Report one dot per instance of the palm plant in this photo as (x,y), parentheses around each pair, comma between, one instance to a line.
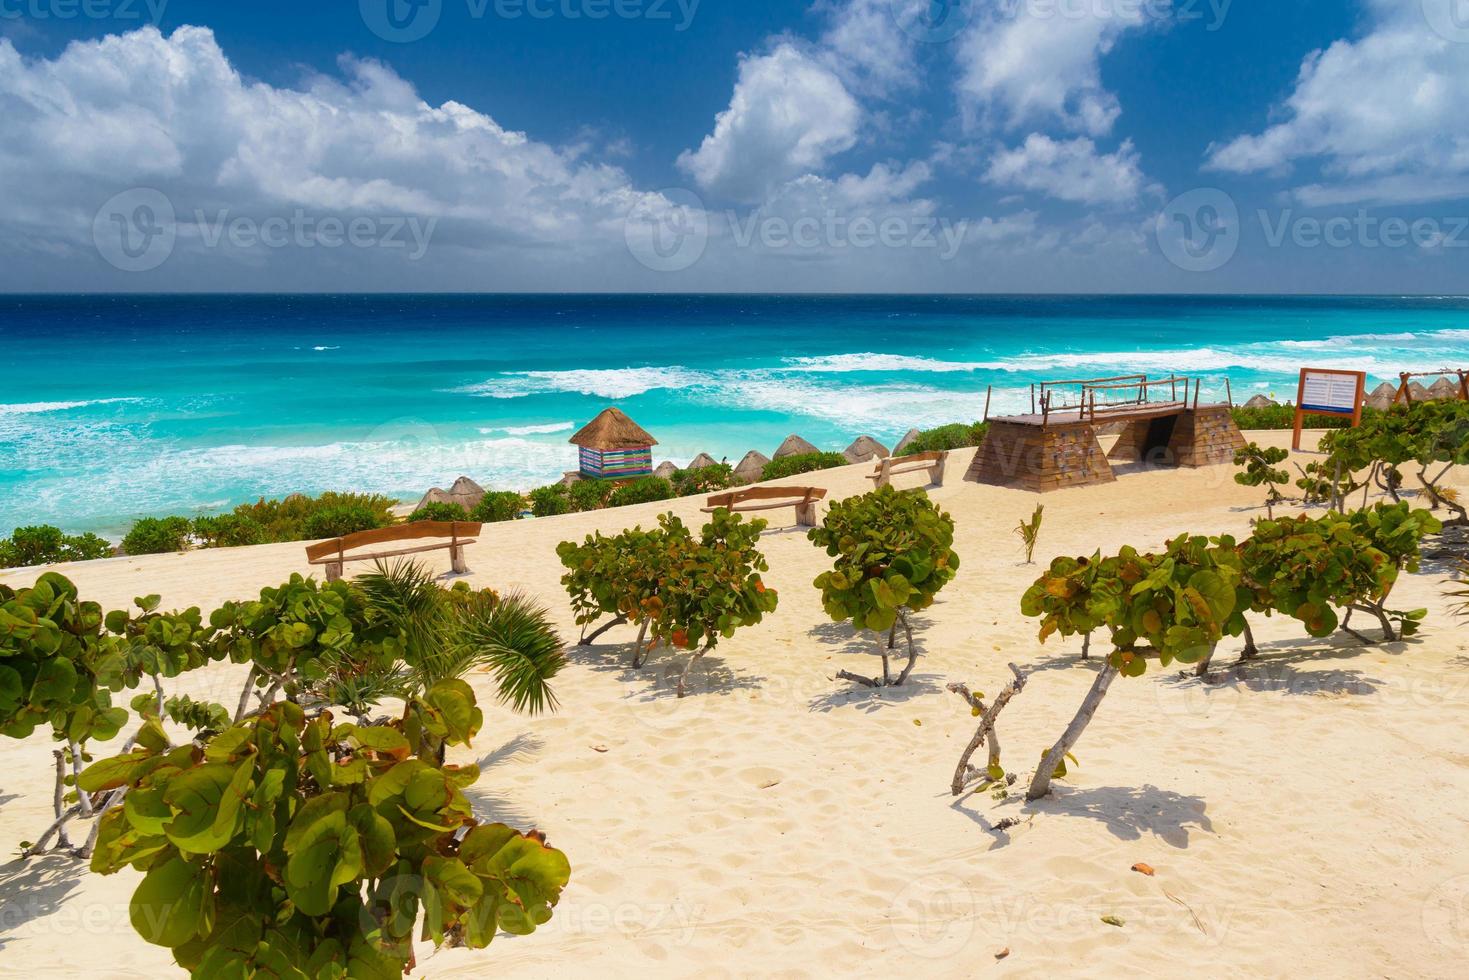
(1461,594)
(444,634)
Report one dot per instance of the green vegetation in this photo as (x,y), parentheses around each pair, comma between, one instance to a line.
(498,506)
(438,511)
(709,479)
(894,552)
(46,545)
(1426,435)
(947,437)
(681,591)
(157,536)
(1275,417)
(645,490)
(1029,532)
(286,520)
(804,463)
(550,501)
(1261,470)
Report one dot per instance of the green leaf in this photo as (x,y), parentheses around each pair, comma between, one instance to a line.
(172,903)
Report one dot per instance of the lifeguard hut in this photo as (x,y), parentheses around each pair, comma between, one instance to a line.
(614,447)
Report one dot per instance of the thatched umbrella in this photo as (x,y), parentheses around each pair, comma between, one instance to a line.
(1443,390)
(613,445)
(1382,397)
(865,450)
(1419,393)
(700,461)
(1260,401)
(906,441)
(751,468)
(665,470)
(795,446)
(466,493)
(438,495)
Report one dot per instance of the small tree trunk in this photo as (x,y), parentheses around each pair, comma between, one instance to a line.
(587,641)
(59,800)
(912,650)
(1251,651)
(84,801)
(684,677)
(986,730)
(1086,647)
(639,653)
(1041,784)
(245,694)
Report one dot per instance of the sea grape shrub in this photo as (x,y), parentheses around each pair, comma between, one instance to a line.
(438,511)
(946,438)
(712,586)
(550,501)
(228,531)
(496,507)
(589,495)
(285,520)
(157,536)
(1261,469)
(47,545)
(707,479)
(1397,532)
(1170,607)
(894,552)
(620,576)
(290,846)
(803,463)
(1428,434)
(646,490)
(1284,417)
(339,521)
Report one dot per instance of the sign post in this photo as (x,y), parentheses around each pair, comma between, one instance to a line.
(1327,392)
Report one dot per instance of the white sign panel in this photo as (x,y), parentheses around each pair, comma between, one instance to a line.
(1329,393)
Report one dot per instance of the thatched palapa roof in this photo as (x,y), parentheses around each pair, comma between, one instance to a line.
(1444,389)
(795,446)
(751,468)
(665,470)
(1259,401)
(906,441)
(612,430)
(865,449)
(465,492)
(700,461)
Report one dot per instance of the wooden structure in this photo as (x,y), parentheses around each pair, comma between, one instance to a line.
(614,447)
(803,499)
(1329,392)
(1055,446)
(1405,393)
(892,466)
(334,553)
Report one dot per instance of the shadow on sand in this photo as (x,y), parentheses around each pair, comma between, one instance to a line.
(35,889)
(850,643)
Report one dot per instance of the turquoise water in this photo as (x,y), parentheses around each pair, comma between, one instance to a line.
(117,407)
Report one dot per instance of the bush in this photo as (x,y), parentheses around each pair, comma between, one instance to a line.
(804,463)
(439,512)
(947,437)
(645,490)
(585,495)
(894,551)
(497,506)
(550,501)
(1261,470)
(157,536)
(709,479)
(340,520)
(1284,417)
(620,576)
(285,520)
(228,531)
(46,545)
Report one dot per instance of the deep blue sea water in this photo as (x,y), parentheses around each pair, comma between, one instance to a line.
(114,407)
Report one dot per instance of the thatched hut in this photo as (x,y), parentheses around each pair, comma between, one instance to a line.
(1419,393)
(751,468)
(865,449)
(613,446)
(1443,390)
(1382,397)
(906,441)
(1259,401)
(795,446)
(701,461)
(665,470)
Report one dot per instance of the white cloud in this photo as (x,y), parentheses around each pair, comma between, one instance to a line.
(172,113)
(1024,64)
(867,46)
(1070,170)
(788,116)
(1384,116)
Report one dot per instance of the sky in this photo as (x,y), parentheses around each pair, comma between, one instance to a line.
(1013,146)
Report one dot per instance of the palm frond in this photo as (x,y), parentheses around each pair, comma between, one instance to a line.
(1462,593)
(407,596)
(514,638)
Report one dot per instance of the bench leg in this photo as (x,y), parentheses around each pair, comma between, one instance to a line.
(457,562)
(806,514)
(333,571)
(938,472)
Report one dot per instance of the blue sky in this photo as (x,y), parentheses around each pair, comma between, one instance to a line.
(714,145)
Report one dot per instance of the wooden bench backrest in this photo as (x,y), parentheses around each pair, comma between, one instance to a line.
(896,461)
(797,495)
(398,532)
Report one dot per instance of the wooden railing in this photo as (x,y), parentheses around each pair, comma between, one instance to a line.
(1160,394)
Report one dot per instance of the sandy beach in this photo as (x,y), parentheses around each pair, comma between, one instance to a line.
(1303,815)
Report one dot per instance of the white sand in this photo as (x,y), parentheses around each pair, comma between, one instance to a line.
(1307,818)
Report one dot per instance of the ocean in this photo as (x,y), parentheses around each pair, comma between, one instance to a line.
(116,407)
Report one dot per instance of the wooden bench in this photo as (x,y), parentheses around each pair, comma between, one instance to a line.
(888,468)
(804,499)
(333,553)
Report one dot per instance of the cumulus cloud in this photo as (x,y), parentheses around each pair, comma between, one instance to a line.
(1070,170)
(1383,116)
(788,116)
(172,113)
(1040,64)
